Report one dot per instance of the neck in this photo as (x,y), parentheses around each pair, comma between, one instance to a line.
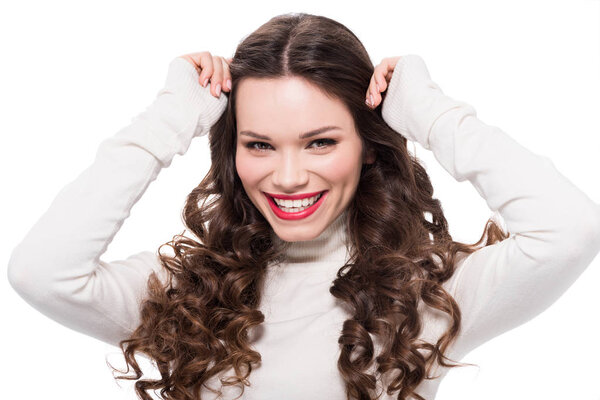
(329,246)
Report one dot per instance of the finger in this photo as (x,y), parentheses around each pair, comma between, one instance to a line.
(226,85)
(206,68)
(217,77)
(376,87)
(372,92)
(368,96)
(388,76)
(380,76)
(390,67)
(195,59)
(188,59)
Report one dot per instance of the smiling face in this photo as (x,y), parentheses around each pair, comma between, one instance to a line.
(275,156)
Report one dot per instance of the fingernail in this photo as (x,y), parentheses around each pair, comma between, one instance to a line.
(377,85)
(205,82)
(371,97)
(218,89)
(228,83)
(367,102)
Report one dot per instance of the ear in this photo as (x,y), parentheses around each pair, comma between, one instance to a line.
(370,157)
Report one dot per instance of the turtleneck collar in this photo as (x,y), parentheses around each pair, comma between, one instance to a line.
(329,246)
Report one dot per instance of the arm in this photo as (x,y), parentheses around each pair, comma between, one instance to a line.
(57,268)
(554,226)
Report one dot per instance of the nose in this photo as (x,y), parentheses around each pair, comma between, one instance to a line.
(290,174)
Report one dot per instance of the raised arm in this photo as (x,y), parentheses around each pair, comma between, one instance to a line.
(57,268)
(554,226)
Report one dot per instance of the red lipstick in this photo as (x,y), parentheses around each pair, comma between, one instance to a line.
(296,215)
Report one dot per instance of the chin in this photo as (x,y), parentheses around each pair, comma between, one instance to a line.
(287,236)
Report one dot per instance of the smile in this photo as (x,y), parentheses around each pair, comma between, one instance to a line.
(296,206)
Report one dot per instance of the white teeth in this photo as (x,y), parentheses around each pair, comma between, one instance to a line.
(296,205)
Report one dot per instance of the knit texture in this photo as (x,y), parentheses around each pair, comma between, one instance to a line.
(555,234)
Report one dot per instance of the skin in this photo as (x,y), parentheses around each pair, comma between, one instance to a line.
(215,69)
(285,164)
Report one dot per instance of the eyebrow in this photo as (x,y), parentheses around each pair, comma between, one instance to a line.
(304,135)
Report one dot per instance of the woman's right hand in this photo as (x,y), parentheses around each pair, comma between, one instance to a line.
(211,68)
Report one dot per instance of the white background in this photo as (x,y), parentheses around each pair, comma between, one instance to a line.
(74,73)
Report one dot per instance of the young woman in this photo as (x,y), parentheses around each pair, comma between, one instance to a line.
(320,264)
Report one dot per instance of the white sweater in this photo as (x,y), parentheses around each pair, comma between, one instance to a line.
(555,234)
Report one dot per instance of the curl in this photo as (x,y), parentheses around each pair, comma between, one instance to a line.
(196,324)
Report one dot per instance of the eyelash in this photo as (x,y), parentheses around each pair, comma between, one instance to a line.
(331,142)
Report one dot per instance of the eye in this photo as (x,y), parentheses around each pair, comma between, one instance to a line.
(329,142)
(258,145)
(251,145)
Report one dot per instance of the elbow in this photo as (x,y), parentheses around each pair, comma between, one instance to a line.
(21,277)
(16,275)
(589,224)
(573,240)
(13,271)
(582,241)
(595,226)
(12,276)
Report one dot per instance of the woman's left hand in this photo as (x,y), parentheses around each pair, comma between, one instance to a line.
(379,80)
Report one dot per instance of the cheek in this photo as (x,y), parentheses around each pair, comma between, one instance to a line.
(343,167)
(241,166)
(247,169)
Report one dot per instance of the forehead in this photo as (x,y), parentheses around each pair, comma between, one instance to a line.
(286,104)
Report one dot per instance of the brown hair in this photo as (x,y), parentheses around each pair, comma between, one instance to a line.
(198,326)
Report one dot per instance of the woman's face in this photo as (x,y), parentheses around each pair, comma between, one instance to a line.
(274,159)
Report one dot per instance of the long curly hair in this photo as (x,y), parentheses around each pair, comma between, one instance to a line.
(196,324)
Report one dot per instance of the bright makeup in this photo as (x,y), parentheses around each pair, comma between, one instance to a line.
(286,209)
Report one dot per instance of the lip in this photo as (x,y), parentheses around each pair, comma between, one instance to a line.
(294,196)
(297,215)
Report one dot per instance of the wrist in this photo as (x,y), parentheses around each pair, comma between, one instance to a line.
(183,89)
(414,102)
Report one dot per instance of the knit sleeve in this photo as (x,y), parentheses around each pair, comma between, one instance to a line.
(554,227)
(57,268)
